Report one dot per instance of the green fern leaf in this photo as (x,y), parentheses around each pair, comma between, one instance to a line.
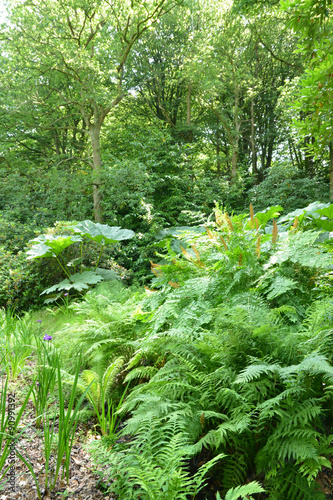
(244,492)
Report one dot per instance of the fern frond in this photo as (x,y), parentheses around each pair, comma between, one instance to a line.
(234,470)
(88,377)
(223,433)
(253,372)
(244,492)
(142,372)
(110,374)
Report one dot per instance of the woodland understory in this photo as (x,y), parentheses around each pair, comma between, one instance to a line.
(166,241)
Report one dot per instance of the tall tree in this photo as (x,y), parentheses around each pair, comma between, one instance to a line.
(312,21)
(85,44)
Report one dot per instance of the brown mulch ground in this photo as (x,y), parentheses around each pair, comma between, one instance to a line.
(82,481)
(82,484)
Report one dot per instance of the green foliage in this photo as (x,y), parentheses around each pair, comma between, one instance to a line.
(159,470)
(106,325)
(219,367)
(14,235)
(101,233)
(316,215)
(243,491)
(15,342)
(22,281)
(46,371)
(77,281)
(97,389)
(288,186)
(268,214)
(227,357)
(312,21)
(48,245)
(7,439)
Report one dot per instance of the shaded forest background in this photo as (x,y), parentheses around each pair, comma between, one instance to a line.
(148,115)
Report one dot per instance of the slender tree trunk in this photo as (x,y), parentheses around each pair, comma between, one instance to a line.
(331,171)
(188,106)
(235,140)
(56,142)
(309,161)
(188,113)
(234,161)
(291,152)
(269,154)
(297,156)
(253,137)
(253,146)
(94,130)
(218,149)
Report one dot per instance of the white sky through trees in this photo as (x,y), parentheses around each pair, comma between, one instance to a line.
(2,11)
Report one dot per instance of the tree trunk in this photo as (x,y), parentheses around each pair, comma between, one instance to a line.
(235,139)
(309,160)
(234,161)
(291,152)
(94,131)
(253,146)
(218,149)
(331,171)
(56,141)
(188,114)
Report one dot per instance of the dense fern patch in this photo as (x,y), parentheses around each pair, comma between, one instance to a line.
(216,381)
(233,363)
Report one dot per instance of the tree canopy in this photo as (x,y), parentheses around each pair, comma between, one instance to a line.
(194,101)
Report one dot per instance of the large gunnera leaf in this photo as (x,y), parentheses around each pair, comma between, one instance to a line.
(40,250)
(102,233)
(50,246)
(106,274)
(269,213)
(78,281)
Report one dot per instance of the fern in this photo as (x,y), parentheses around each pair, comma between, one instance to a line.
(243,492)
(234,470)
(287,483)
(279,286)
(217,364)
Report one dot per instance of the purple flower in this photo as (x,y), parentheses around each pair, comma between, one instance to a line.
(37,383)
(65,294)
(39,321)
(47,337)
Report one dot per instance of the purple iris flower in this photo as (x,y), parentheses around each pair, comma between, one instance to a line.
(39,321)
(47,337)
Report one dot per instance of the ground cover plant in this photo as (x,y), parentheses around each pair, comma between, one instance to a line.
(166,223)
(213,382)
(225,370)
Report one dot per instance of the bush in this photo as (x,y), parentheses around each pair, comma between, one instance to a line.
(285,186)
(22,281)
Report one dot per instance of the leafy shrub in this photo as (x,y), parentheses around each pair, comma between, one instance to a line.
(15,235)
(22,282)
(285,185)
